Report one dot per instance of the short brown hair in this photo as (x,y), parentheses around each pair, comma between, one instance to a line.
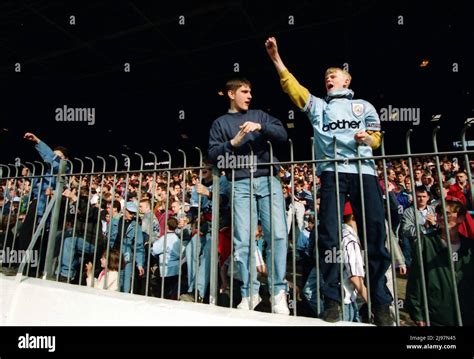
(172,223)
(146,200)
(235,83)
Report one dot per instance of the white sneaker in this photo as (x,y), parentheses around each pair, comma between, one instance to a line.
(245,303)
(280,305)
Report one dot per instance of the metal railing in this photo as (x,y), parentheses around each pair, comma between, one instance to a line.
(60,220)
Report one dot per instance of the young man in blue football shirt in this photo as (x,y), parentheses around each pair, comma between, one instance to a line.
(356,126)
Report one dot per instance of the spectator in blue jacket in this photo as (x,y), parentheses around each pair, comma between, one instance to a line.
(131,244)
(41,190)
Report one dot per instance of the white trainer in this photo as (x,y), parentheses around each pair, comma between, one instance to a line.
(280,305)
(245,303)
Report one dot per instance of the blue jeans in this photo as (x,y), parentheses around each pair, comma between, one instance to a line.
(199,247)
(72,251)
(244,235)
(379,258)
(351,313)
(310,291)
(126,278)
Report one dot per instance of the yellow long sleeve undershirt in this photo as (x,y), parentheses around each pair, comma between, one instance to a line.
(299,95)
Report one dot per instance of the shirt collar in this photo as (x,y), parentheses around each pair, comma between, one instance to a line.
(344,93)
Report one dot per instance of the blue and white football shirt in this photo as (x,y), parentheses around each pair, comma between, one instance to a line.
(341,117)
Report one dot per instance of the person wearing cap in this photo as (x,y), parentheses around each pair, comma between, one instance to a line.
(131,244)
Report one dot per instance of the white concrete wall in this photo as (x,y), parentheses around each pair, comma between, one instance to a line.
(36,302)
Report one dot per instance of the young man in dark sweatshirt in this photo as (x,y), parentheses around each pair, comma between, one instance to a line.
(232,139)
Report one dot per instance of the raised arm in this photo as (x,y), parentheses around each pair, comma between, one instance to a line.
(298,94)
(46,153)
(43,149)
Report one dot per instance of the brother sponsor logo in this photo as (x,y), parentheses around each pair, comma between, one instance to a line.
(341,125)
(28,341)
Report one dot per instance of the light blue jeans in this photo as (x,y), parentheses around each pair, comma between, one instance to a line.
(72,247)
(244,232)
(126,278)
(199,247)
(351,312)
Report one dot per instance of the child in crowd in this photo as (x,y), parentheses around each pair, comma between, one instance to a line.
(108,277)
(169,259)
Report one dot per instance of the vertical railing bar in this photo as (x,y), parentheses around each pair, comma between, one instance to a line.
(86,224)
(54,221)
(36,209)
(339,229)
(66,207)
(109,229)
(48,199)
(214,235)
(163,266)
(7,229)
(252,236)
(364,236)
(417,228)
(31,186)
(390,231)
(74,225)
(6,185)
(139,197)
(293,220)
(122,230)
(11,209)
(457,307)
(231,255)
(153,217)
(316,233)
(182,230)
(468,165)
(272,230)
(99,224)
(196,258)
(21,195)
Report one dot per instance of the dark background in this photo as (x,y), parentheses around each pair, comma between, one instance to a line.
(182,67)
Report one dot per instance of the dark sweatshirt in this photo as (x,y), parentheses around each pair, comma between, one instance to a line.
(226,127)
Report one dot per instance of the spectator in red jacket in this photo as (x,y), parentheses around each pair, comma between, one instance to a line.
(461,190)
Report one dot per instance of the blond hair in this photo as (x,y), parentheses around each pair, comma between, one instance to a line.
(336,69)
